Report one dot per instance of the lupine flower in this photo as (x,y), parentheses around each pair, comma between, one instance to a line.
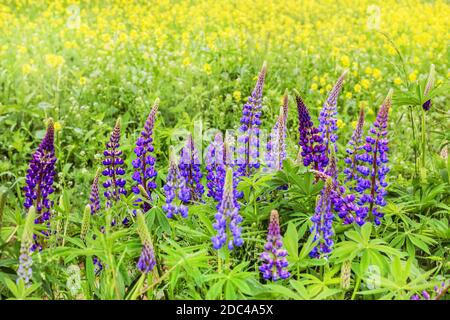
(176,191)
(216,167)
(248,140)
(190,170)
(147,260)
(346,273)
(429,85)
(344,202)
(439,291)
(98,265)
(276,146)
(94,199)
(228,218)
(113,162)
(355,146)
(371,182)
(311,143)
(25,270)
(327,117)
(144,163)
(322,223)
(274,256)
(39,180)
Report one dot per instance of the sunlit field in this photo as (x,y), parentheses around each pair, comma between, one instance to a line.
(224,150)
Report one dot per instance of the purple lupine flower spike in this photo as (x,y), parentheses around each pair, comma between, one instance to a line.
(327,117)
(228,217)
(439,292)
(276,146)
(371,182)
(429,85)
(216,167)
(114,185)
(176,191)
(94,199)
(144,163)
(274,256)
(190,169)
(146,261)
(354,148)
(248,140)
(322,223)
(311,143)
(39,181)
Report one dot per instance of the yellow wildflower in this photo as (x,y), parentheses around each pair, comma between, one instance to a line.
(398,81)
(340,124)
(207,68)
(314,86)
(357,88)
(323,81)
(345,61)
(412,76)
(365,83)
(368,70)
(237,96)
(57,126)
(186,61)
(376,73)
(348,95)
(82,81)
(53,60)
(27,69)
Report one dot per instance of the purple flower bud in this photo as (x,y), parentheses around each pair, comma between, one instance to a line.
(146,261)
(274,257)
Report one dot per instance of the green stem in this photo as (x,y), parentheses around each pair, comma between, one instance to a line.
(411,116)
(358,282)
(423,140)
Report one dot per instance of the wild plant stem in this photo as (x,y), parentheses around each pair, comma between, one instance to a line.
(358,282)
(423,140)
(411,116)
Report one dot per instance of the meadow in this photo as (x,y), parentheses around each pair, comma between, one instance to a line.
(224,150)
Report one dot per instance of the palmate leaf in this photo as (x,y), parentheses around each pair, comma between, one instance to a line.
(233,283)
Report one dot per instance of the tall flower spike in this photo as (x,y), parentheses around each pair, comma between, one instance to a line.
(371,182)
(274,256)
(355,146)
(248,140)
(144,162)
(228,218)
(39,181)
(94,199)
(429,85)
(176,191)
(216,168)
(190,170)
(276,146)
(147,260)
(322,223)
(327,117)
(113,162)
(311,143)
(25,271)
